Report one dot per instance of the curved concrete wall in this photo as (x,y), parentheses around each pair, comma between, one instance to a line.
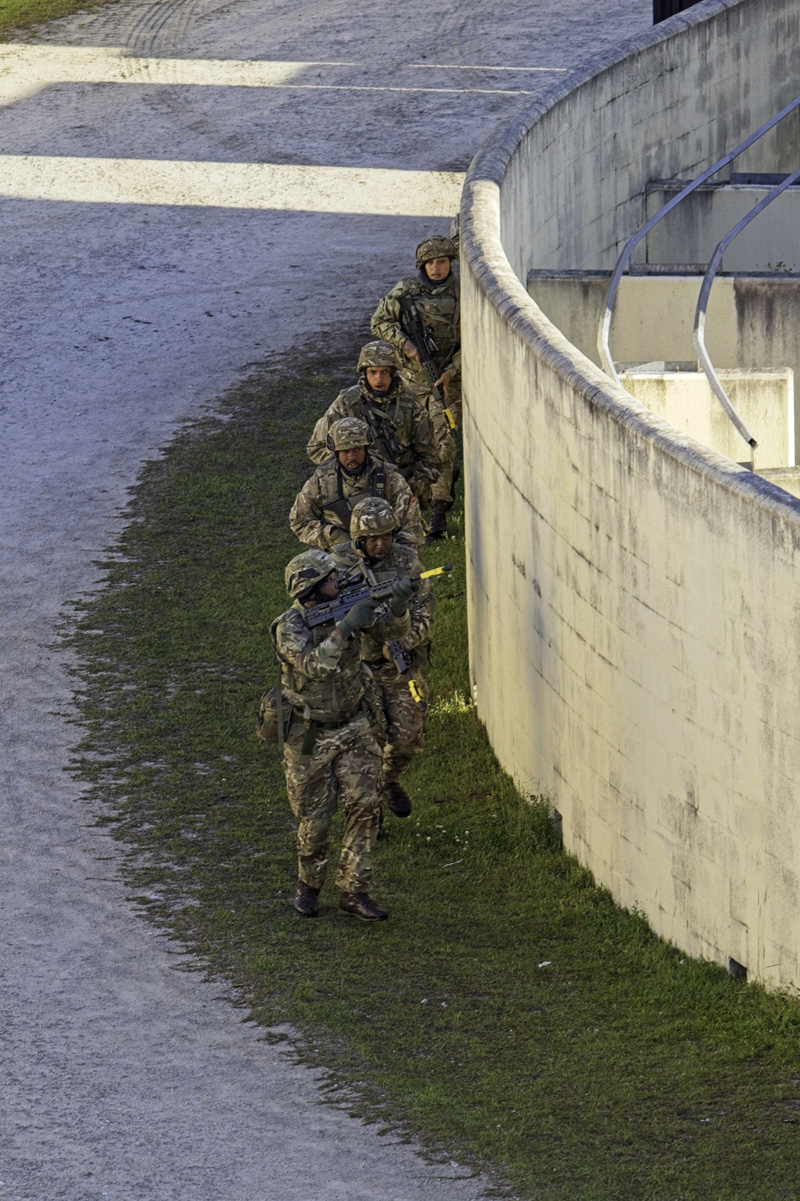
(634,601)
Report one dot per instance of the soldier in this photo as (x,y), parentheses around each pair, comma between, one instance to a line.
(321,512)
(374,556)
(402,432)
(329,751)
(434,294)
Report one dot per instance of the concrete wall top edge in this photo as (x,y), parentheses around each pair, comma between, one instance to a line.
(492,271)
(485,257)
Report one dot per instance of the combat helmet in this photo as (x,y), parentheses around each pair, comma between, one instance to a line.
(378,354)
(372,516)
(306,570)
(436,247)
(348,432)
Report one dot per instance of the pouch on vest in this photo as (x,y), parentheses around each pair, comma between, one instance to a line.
(274,716)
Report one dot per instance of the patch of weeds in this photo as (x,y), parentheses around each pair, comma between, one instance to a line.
(16,15)
(508,1011)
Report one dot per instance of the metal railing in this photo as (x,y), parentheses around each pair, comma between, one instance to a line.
(699,333)
(623,261)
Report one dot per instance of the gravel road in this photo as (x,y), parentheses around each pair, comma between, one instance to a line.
(189,188)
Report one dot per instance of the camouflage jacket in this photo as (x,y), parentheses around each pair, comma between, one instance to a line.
(440,310)
(414,628)
(321,512)
(401,429)
(320,668)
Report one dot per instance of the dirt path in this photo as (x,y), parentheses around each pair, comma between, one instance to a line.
(141,274)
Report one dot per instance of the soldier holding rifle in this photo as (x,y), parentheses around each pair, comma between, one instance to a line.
(321,512)
(421,318)
(329,750)
(402,432)
(395,649)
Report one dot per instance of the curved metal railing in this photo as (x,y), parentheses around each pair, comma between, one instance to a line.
(699,333)
(624,259)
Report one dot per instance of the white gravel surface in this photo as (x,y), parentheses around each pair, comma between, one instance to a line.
(187,189)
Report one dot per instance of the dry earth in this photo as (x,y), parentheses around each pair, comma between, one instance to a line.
(189,188)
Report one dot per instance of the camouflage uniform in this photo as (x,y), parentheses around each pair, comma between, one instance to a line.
(320,514)
(410,426)
(322,678)
(438,305)
(404,718)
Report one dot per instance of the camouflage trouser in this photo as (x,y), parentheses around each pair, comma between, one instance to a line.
(405,720)
(441,488)
(345,764)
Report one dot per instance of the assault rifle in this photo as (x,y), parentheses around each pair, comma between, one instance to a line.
(385,434)
(334,610)
(414,328)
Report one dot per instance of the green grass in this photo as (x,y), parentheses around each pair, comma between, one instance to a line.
(16,15)
(508,1014)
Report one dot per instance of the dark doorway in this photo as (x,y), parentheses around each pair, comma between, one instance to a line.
(667,8)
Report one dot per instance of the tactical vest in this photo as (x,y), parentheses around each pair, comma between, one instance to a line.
(392,434)
(331,699)
(440,312)
(339,511)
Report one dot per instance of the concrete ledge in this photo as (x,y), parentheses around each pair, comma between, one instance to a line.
(634,616)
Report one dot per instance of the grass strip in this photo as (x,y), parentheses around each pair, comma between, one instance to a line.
(508,1011)
(17,15)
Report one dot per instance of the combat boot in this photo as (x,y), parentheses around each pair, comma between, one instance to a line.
(306,900)
(437,526)
(397,799)
(360,904)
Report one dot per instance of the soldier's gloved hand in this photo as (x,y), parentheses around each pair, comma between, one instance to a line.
(361,615)
(402,592)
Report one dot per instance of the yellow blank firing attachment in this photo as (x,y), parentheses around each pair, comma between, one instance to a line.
(426,575)
(449,418)
(415,692)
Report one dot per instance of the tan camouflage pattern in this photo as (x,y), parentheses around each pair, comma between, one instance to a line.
(372,516)
(440,310)
(306,570)
(346,433)
(406,720)
(442,487)
(439,306)
(419,461)
(343,768)
(313,519)
(320,668)
(323,679)
(378,354)
(401,729)
(435,247)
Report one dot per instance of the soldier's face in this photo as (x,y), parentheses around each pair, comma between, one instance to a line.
(437,270)
(377,546)
(328,589)
(352,459)
(379,378)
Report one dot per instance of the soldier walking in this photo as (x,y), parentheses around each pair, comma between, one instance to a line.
(330,752)
(402,431)
(434,296)
(321,511)
(396,649)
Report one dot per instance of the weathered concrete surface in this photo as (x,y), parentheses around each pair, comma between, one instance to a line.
(634,614)
(123,1078)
